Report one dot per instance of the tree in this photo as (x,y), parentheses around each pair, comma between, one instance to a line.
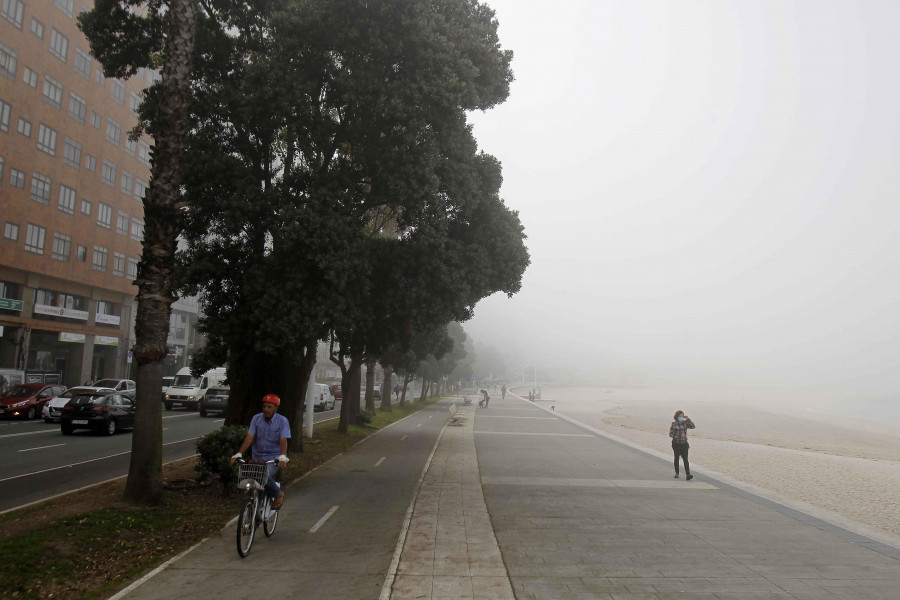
(124,40)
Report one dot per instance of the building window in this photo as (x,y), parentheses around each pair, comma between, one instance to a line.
(11,232)
(30,77)
(122,223)
(59,45)
(132,268)
(137,229)
(17,178)
(72,153)
(140,188)
(127,182)
(90,163)
(135,104)
(113,131)
(130,146)
(108,175)
(24,127)
(66,6)
(118,264)
(13,11)
(66,199)
(144,152)
(77,107)
(62,246)
(47,140)
(101,257)
(99,77)
(37,28)
(4,116)
(83,63)
(95,120)
(34,238)
(9,59)
(117,91)
(53,91)
(85,207)
(81,253)
(104,215)
(40,188)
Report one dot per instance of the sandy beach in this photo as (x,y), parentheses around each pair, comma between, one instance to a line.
(796,447)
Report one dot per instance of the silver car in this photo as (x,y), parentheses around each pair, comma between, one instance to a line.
(53,409)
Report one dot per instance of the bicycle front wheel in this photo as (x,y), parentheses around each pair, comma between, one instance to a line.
(269,521)
(246,528)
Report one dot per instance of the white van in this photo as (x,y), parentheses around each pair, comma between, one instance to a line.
(187,391)
(321,397)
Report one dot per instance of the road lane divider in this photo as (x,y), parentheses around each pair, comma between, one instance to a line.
(324,518)
(40,448)
(380,460)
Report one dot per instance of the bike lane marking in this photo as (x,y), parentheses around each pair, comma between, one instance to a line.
(324,518)
(380,460)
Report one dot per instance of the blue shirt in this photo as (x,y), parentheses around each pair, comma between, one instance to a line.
(267,435)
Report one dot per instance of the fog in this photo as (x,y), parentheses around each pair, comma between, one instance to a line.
(709,189)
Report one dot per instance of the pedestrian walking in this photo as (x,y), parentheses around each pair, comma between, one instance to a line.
(484,399)
(678,433)
(503,391)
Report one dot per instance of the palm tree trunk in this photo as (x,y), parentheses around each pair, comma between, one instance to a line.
(155,278)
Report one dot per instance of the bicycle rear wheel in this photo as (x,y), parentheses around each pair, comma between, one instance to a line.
(246,528)
(269,521)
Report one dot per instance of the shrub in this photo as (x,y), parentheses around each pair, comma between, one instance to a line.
(216,449)
(364,417)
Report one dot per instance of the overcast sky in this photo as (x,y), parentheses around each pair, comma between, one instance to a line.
(709,189)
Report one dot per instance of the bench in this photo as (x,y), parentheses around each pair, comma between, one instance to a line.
(456,415)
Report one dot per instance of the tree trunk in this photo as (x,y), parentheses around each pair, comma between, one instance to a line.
(355,388)
(370,387)
(425,385)
(406,380)
(349,376)
(387,391)
(297,379)
(155,279)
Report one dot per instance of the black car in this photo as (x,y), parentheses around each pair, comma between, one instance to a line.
(104,411)
(215,400)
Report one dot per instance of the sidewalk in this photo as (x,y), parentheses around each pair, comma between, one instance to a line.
(580,516)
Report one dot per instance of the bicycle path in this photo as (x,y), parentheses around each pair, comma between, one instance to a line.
(336,534)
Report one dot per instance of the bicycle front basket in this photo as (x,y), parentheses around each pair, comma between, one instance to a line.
(255,471)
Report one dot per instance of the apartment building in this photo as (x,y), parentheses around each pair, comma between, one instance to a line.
(71,184)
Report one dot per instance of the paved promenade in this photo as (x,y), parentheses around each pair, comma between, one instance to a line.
(514,501)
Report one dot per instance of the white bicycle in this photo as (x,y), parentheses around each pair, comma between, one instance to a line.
(252,478)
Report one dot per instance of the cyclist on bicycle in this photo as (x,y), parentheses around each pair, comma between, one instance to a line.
(269,433)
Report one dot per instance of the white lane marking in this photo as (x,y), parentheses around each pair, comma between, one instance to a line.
(9,435)
(380,460)
(40,448)
(403,438)
(619,483)
(431,416)
(419,425)
(180,416)
(84,462)
(321,521)
(523,433)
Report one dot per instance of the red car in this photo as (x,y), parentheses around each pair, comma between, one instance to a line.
(27,399)
(336,391)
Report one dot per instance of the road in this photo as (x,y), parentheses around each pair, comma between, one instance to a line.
(39,462)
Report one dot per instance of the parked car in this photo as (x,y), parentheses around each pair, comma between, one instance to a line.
(27,399)
(322,398)
(52,411)
(215,400)
(104,411)
(167,380)
(336,391)
(125,387)
(376,391)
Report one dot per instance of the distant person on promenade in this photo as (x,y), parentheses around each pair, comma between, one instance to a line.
(503,391)
(678,433)
(397,390)
(485,398)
